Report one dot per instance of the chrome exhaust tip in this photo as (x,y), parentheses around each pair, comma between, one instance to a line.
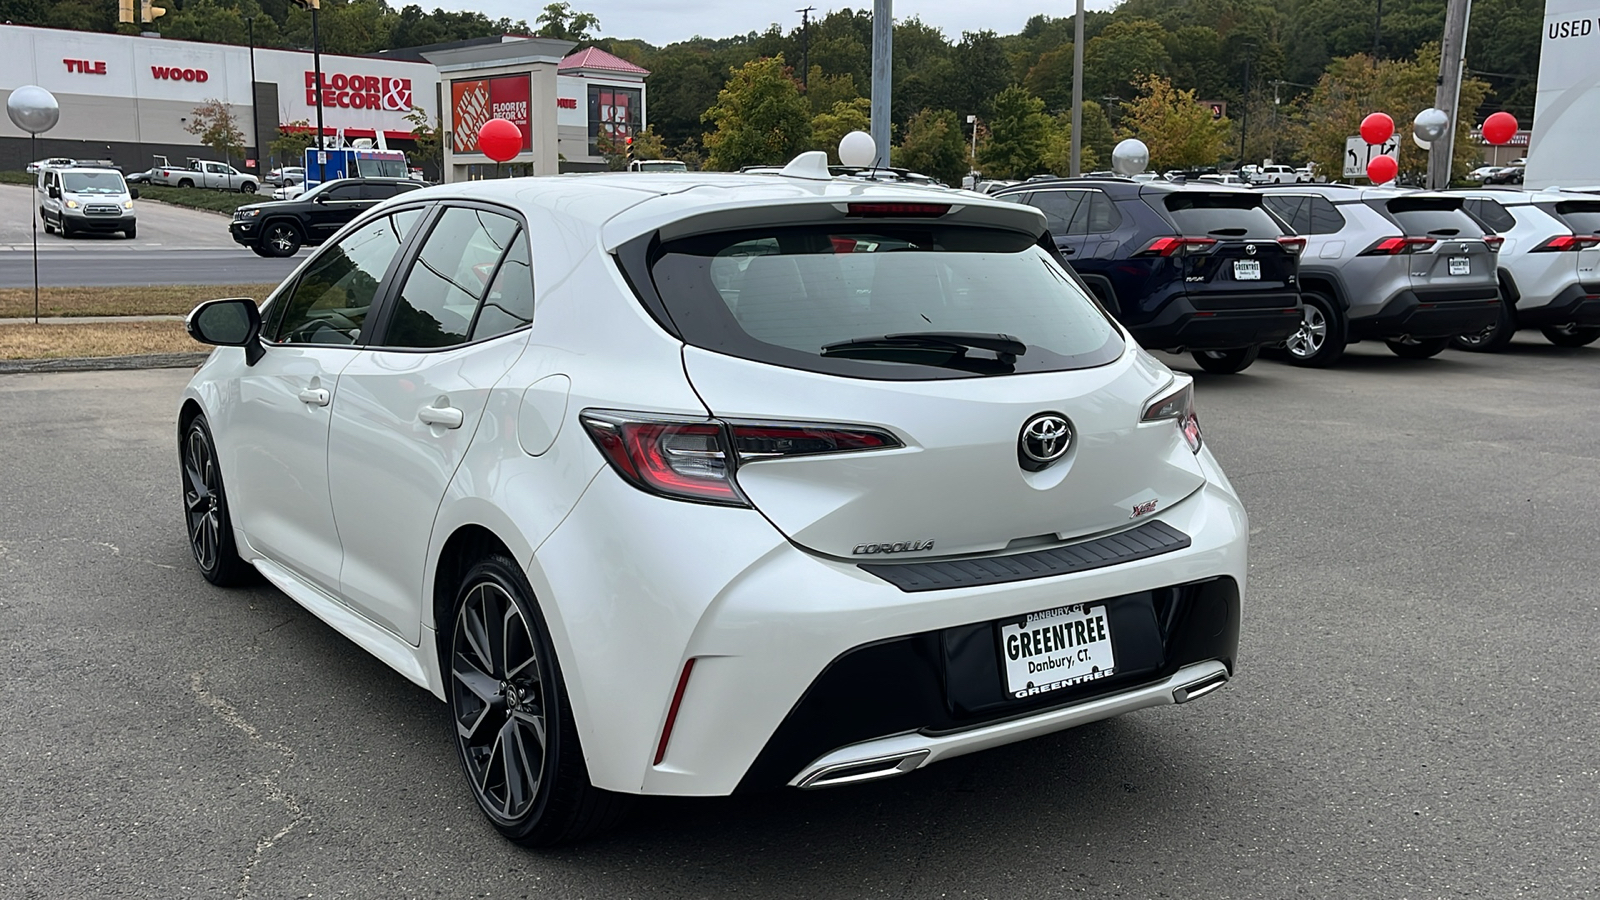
(858,771)
(1199,688)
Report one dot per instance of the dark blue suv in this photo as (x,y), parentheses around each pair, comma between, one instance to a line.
(1198,268)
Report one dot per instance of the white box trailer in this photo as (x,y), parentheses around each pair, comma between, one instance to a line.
(1566,116)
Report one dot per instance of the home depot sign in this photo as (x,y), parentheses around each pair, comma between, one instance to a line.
(475,102)
(343,91)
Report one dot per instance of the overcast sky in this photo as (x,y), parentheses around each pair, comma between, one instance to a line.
(665,21)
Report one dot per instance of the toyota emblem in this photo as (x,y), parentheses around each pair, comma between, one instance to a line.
(1044,440)
(1250,249)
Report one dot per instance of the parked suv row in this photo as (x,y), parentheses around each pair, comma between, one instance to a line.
(1409,268)
(1197,268)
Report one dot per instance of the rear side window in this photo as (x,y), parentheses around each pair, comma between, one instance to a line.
(1435,216)
(1582,216)
(1097,214)
(817,297)
(1490,213)
(1231,214)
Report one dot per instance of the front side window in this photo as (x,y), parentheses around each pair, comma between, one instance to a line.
(329,304)
(1057,206)
(889,301)
(439,298)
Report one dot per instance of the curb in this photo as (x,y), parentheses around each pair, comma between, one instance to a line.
(102,363)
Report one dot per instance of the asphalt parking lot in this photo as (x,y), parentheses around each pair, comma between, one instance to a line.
(1413,717)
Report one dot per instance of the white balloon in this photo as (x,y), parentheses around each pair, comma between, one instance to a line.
(33,109)
(1429,125)
(1422,144)
(1130,157)
(857,149)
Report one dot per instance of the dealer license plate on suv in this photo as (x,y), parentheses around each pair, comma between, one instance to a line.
(1460,265)
(1247,270)
(1056,648)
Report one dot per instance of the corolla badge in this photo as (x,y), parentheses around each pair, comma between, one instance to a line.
(1044,440)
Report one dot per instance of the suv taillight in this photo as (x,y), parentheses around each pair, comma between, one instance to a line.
(1176,246)
(1494,241)
(1395,246)
(1563,242)
(695,459)
(1178,406)
(1293,244)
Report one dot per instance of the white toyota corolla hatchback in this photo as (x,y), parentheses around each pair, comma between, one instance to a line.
(691,484)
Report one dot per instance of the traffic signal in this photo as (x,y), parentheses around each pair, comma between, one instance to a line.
(125,11)
(630,148)
(149,12)
(1216,111)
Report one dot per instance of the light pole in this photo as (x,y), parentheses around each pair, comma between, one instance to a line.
(34,109)
(1075,162)
(1244,119)
(316,61)
(882,56)
(805,46)
(255,105)
(972,120)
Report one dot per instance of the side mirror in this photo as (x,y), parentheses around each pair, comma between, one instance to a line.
(53,191)
(133,193)
(234,322)
(320,198)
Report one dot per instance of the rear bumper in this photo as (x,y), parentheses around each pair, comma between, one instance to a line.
(1432,313)
(1181,326)
(1578,304)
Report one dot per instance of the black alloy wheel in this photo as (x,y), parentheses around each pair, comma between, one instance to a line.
(1572,335)
(1492,339)
(510,717)
(1227,362)
(1412,348)
(206,510)
(281,239)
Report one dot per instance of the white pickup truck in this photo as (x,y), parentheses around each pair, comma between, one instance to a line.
(202,173)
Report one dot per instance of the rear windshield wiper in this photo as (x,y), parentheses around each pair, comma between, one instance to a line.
(947,349)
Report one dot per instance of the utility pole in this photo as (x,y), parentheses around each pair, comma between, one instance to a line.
(1377,33)
(255,104)
(1452,59)
(1075,165)
(1244,117)
(805,46)
(882,50)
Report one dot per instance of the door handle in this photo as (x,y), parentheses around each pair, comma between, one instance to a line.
(315,396)
(442,416)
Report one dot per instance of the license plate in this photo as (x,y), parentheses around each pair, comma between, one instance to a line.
(1247,270)
(1460,265)
(1055,649)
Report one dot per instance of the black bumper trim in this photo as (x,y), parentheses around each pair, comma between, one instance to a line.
(1432,313)
(1150,539)
(1579,304)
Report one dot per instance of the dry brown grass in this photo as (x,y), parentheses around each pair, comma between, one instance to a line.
(143,300)
(94,339)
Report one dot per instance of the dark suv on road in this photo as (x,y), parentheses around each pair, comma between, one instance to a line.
(1200,268)
(282,227)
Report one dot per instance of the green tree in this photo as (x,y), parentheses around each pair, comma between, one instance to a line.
(1121,59)
(828,128)
(428,133)
(760,118)
(979,74)
(1019,136)
(1050,78)
(1058,148)
(560,21)
(826,90)
(218,128)
(935,144)
(289,147)
(1179,131)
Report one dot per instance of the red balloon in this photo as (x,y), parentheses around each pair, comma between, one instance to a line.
(499,139)
(1499,128)
(1377,128)
(1382,169)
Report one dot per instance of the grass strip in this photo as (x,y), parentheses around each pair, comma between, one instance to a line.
(94,339)
(140,300)
(191,198)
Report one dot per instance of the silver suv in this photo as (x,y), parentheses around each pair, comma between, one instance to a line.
(1549,265)
(1409,268)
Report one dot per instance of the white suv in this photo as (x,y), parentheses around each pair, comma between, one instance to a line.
(686,484)
(1549,265)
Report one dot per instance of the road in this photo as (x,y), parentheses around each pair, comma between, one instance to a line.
(1413,717)
(174,246)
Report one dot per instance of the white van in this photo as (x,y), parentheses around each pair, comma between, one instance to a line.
(74,199)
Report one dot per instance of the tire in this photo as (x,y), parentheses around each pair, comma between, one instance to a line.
(258,250)
(249,187)
(48,228)
(281,239)
(494,705)
(1321,339)
(1227,362)
(205,510)
(1418,349)
(186,183)
(131,232)
(1492,339)
(1572,335)
(64,228)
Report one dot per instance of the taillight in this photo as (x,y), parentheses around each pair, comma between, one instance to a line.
(1563,242)
(897,210)
(1395,246)
(1292,244)
(1494,241)
(1178,406)
(1174,246)
(695,459)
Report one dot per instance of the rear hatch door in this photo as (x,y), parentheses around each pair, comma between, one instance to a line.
(792,325)
(1583,217)
(1232,258)
(1457,256)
